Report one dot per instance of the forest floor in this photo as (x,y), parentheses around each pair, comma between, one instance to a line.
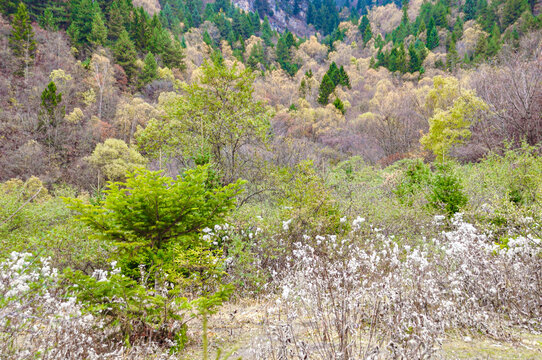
(239,326)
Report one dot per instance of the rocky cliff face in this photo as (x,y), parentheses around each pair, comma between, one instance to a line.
(281,19)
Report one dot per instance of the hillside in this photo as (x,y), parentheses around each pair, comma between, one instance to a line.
(270,179)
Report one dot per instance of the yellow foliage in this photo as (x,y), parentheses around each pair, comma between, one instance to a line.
(75,117)
(114,158)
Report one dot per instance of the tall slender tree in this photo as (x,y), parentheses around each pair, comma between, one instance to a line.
(21,40)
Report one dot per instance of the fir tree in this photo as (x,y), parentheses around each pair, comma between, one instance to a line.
(173,56)
(116,22)
(21,39)
(51,112)
(149,71)
(334,74)
(125,54)
(415,61)
(339,105)
(494,41)
(326,88)
(344,80)
(98,34)
(267,33)
(368,34)
(470,9)
(82,16)
(432,35)
(48,20)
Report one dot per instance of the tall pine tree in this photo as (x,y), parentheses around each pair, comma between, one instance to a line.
(21,40)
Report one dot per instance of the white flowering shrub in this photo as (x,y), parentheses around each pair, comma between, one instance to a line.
(38,320)
(377,297)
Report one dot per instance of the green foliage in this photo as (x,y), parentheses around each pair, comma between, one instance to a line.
(450,122)
(447,191)
(215,115)
(21,39)
(326,88)
(51,111)
(339,105)
(432,36)
(125,54)
(150,211)
(98,33)
(149,72)
(415,181)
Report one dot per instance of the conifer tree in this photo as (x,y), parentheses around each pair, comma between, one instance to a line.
(432,35)
(173,56)
(21,40)
(344,80)
(82,16)
(494,41)
(368,34)
(334,74)
(415,61)
(51,112)
(326,88)
(48,20)
(98,34)
(116,21)
(149,71)
(470,9)
(267,33)
(125,54)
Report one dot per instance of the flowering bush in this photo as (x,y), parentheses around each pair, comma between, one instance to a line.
(364,297)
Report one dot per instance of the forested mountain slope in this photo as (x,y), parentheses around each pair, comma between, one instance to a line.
(362,179)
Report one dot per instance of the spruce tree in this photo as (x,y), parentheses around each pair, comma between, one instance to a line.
(48,20)
(98,34)
(173,56)
(334,74)
(21,40)
(494,41)
(125,54)
(116,22)
(51,112)
(415,61)
(470,9)
(432,35)
(326,88)
(267,33)
(344,80)
(149,72)
(368,34)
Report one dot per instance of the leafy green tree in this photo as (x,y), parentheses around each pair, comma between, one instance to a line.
(415,62)
(367,34)
(21,40)
(98,34)
(216,116)
(453,114)
(326,88)
(149,211)
(149,72)
(334,73)
(50,106)
(267,33)
(125,54)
